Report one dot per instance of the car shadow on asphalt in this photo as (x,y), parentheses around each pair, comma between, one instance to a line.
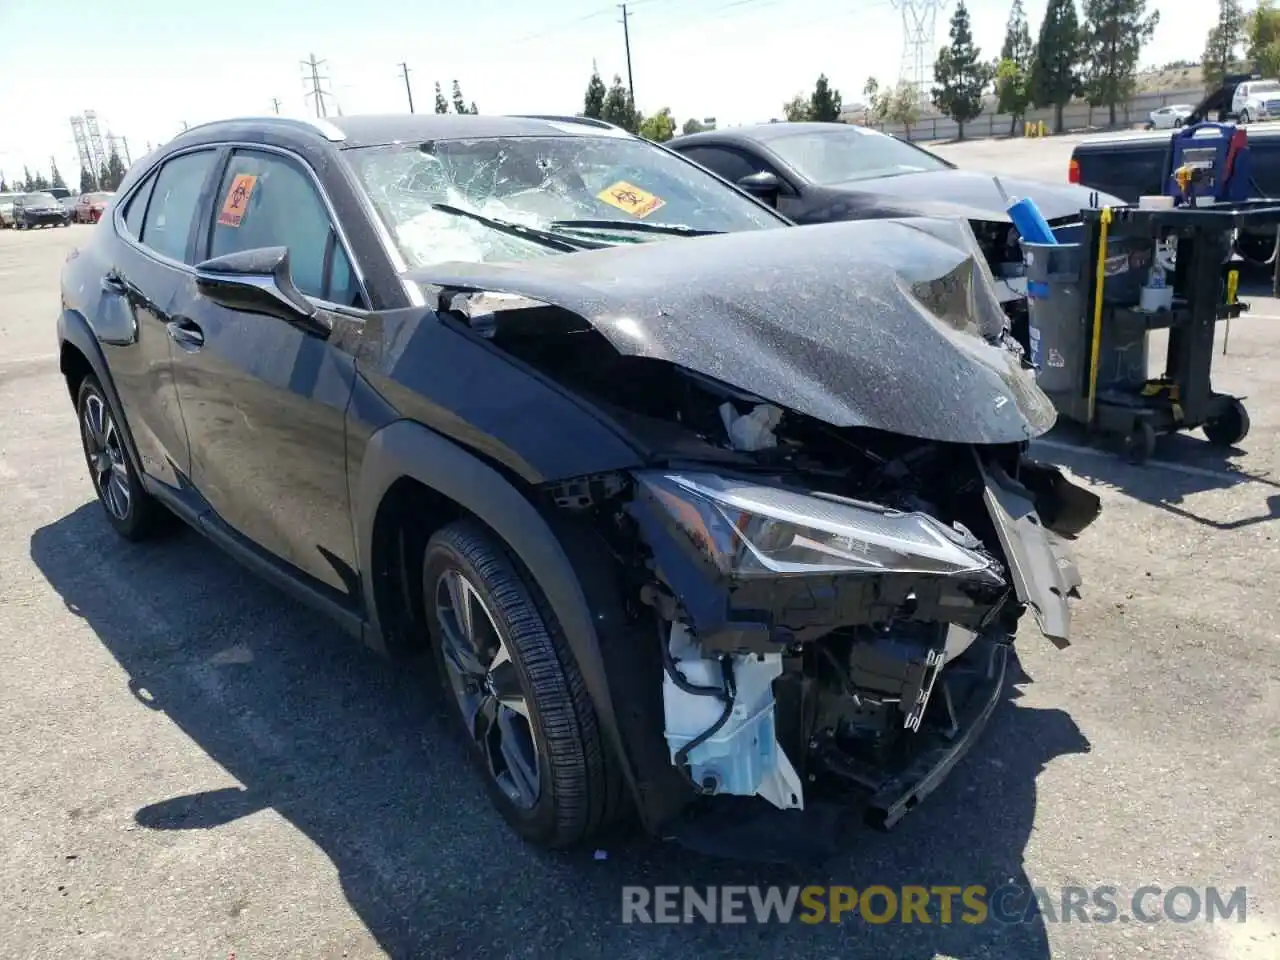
(360,757)
(1183,465)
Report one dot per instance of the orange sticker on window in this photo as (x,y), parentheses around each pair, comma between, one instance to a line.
(237,202)
(629,198)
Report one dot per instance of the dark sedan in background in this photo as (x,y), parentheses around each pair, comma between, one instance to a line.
(39,210)
(819,172)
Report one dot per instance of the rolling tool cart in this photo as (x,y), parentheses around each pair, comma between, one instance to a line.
(1137,269)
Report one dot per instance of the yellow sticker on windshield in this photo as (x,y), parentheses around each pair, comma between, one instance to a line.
(629,198)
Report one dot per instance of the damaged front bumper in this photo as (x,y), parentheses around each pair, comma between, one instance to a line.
(839,651)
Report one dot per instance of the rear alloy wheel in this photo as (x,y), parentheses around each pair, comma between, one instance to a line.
(129,508)
(504,661)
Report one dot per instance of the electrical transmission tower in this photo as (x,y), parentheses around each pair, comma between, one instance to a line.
(95,140)
(919,47)
(312,78)
(82,148)
(120,146)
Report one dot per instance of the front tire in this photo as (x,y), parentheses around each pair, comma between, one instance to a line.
(516,689)
(1245,118)
(132,511)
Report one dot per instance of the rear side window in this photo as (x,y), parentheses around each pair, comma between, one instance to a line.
(174,201)
(137,208)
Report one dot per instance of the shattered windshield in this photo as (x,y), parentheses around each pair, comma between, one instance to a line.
(619,190)
(831,155)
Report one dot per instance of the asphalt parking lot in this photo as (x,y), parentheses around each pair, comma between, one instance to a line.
(195,767)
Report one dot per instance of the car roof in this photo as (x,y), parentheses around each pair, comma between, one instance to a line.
(759,132)
(379,129)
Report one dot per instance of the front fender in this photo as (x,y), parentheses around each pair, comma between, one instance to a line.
(409,449)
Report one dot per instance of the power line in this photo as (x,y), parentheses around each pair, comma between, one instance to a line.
(404,68)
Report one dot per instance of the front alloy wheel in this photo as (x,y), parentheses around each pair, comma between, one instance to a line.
(487,688)
(515,685)
(130,509)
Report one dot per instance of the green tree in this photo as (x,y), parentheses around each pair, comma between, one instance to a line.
(27,182)
(4,186)
(1263,30)
(796,109)
(87,183)
(593,102)
(878,101)
(660,127)
(104,178)
(1013,70)
(692,125)
(1055,70)
(618,108)
(902,106)
(1115,31)
(960,74)
(115,170)
(825,104)
(459,104)
(40,183)
(1221,44)
(55,175)
(442,105)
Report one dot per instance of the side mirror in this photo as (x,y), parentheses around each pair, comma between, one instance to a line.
(260,281)
(763,185)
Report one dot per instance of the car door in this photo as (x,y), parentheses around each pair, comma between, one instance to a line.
(148,260)
(264,400)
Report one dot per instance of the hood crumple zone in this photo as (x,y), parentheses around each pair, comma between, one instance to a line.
(872,324)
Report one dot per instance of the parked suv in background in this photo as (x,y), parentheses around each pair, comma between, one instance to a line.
(39,210)
(6,209)
(90,206)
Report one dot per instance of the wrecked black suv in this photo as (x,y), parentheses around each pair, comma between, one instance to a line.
(695,510)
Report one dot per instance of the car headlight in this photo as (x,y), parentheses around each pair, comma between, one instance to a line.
(747,529)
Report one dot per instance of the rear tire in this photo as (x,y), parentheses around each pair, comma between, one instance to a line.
(133,512)
(517,691)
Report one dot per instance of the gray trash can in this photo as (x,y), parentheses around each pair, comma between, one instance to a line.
(1061,323)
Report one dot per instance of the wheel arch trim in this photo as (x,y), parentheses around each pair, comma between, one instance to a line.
(406,448)
(74,331)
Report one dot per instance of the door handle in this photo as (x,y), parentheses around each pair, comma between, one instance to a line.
(185,333)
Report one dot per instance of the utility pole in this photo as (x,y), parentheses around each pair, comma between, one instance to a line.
(626,39)
(317,92)
(275,104)
(404,69)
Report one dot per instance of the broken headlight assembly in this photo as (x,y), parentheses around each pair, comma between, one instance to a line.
(746,529)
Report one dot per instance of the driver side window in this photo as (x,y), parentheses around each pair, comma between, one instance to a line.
(268,200)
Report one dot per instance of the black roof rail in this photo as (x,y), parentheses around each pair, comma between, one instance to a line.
(317,125)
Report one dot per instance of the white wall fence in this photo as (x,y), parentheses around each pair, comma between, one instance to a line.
(1076,116)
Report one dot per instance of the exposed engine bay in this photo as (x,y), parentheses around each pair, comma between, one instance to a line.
(832,605)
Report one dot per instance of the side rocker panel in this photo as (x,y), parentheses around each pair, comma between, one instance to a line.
(408,449)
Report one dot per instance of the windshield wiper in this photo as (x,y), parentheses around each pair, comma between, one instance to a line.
(634,226)
(556,241)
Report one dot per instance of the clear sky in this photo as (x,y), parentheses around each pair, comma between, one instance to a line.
(146,66)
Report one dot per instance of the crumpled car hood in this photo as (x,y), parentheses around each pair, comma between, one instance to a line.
(889,324)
